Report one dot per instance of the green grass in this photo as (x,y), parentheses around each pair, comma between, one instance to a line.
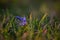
(34,30)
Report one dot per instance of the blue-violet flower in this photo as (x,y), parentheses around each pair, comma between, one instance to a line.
(22,19)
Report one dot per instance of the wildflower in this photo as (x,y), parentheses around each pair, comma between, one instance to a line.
(18,17)
(22,19)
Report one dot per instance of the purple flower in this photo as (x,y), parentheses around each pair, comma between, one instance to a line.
(18,17)
(22,19)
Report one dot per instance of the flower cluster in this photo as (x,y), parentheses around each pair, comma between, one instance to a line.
(22,19)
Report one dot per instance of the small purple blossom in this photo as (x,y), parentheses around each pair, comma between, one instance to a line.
(22,19)
(18,17)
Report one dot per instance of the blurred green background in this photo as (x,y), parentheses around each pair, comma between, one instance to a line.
(42,16)
(25,7)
